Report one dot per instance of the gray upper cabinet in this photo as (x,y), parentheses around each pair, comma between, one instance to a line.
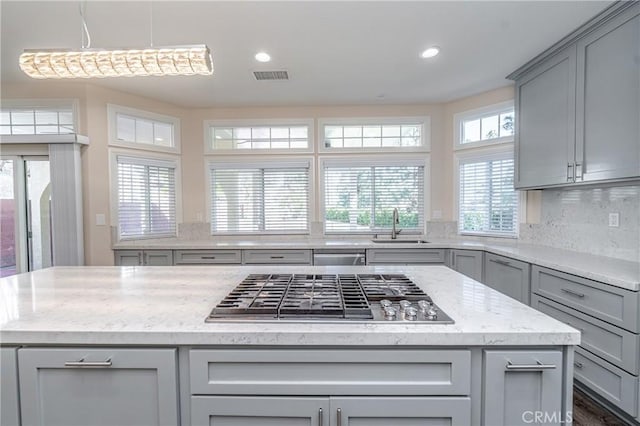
(508,276)
(10,411)
(467,262)
(102,387)
(608,101)
(577,105)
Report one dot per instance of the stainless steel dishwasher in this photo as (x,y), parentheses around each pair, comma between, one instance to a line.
(339,257)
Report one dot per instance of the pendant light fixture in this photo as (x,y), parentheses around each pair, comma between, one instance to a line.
(99,63)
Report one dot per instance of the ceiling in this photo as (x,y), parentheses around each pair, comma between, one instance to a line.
(335,52)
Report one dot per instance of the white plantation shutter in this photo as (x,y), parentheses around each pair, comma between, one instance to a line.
(260,198)
(146,198)
(488,203)
(361,198)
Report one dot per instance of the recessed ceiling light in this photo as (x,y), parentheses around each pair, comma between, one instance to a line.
(430,52)
(262,57)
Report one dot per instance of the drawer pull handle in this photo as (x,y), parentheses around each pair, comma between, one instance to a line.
(502,262)
(573,293)
(578,365)
(570,173)
(88,364)
(529,367)
(208,257)
(339,416)
(277,257)
(320,421)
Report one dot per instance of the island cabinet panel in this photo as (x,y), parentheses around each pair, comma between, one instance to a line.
(143,257)
(205,257)
(281,257)
(9,408)
(612,304)
(98,387)
(612,343)
(402,256)
(467,262)
(611,383)
(508,276)
(330,372)
(517,384)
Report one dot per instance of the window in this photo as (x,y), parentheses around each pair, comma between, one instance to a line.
(493,124)
(488,204)
(146,197)
(359,197)
(250,198)
(143,130)
(54,120)
(374,134)
(260,135)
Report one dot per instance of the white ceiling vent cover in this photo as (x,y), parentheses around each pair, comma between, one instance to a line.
(271,75)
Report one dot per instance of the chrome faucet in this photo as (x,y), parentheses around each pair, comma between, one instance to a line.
(395,221)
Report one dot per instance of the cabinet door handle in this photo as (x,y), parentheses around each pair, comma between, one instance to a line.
(339,416)
(146,258)
(453,259)
(320,421)
(578,364)
(573,293)
(578,169)
(277,257)
(140,261)
(529,367)
(88,364)
(208,257)
(502,262)
(570,173)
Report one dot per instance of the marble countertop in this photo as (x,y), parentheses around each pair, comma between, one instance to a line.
(617,272)
(167,306)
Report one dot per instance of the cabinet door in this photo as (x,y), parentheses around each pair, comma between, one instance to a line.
(508,276)
(128,257)
(158,257)
(9,413)
(608,101)
(98,387)
(405,411)
(259,411)
(520,383)
(467,262)
(545,122)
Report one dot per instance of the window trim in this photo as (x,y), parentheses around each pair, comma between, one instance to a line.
(371,160)
(257,161)
(424,121)
(28,103)
(114,221)
(485,111)
(496,152)
(112,129)
(266,122)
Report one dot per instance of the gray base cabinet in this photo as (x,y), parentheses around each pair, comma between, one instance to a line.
(467,262)
(144,257)
(98,387)
(520,383)
(508,276)
(9,408)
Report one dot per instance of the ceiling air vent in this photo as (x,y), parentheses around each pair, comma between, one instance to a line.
(271,75)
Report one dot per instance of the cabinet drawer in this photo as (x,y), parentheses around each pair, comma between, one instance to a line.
(617,386)
(404,256)
(326,372)
(203,257)
(614,344)
(608,303)
(276,256)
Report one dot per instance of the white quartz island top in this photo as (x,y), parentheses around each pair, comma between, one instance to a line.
(168,306)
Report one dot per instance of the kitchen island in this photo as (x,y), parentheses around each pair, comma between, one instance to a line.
(129,345)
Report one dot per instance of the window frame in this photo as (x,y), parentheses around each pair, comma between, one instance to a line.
(114,192)
(208,126)
(372,161)
(52,103)
(255,162)
(499,152)
(424,121)
(479,113)
(112,118)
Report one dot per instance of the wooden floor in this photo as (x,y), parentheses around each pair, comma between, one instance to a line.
(587,412)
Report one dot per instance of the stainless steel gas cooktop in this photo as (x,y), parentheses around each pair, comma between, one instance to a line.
(328,298)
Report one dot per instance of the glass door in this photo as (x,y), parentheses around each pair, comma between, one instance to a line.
(9,244)
(38,203)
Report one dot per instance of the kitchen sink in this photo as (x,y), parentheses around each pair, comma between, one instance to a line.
(400,241)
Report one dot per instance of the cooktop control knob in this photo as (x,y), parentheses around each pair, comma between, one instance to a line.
(431,314)
(411,314)
(424,305)
(390,314)
(404,304)
(385,303)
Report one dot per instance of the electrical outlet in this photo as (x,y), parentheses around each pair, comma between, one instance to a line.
(614,220)
(436,214)
(101,220)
